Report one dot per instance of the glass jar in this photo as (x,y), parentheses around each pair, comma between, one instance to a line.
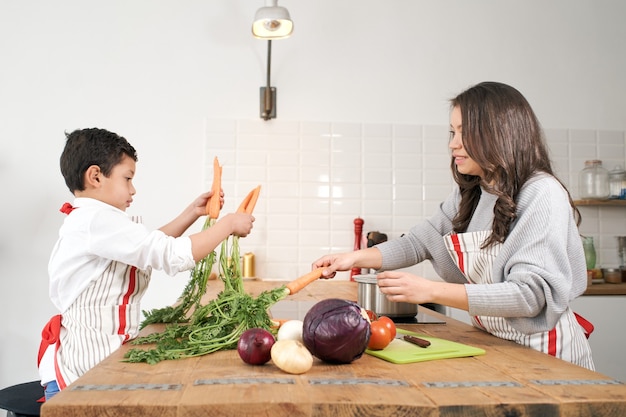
(593,181)
(617,183)
(590,252)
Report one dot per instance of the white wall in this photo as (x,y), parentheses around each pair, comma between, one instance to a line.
(156,71)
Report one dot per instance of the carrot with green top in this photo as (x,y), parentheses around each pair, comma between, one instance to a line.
(213,206)
(218,324)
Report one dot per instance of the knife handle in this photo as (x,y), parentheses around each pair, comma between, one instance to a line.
(417,341)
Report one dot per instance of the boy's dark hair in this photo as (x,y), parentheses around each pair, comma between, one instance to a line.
(87,147)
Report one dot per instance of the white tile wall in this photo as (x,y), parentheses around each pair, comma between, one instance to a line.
(317,177)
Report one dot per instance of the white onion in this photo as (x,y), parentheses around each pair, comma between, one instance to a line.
(290,330)
(291,356)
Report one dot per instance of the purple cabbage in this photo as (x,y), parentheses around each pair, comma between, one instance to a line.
(335,331)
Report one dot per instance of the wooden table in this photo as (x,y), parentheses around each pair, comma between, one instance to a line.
(509,380)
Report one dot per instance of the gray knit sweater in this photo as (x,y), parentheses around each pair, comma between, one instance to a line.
(539,270)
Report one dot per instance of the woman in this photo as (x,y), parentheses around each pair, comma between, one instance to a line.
(505,241)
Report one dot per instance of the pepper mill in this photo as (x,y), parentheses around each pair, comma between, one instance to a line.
(358,231)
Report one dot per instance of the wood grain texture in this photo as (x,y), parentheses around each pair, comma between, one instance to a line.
(509,380)
(606,289)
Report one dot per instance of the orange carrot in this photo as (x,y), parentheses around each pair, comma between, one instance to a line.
(253,199)
(213,206)
(248,203)
(276,323)
(299,283)
(244,203)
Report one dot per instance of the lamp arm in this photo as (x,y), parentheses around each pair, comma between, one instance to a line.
(269,61)
(268,93)
(268,90)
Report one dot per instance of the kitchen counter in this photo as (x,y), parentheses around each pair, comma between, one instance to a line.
(606,289)
(508,380)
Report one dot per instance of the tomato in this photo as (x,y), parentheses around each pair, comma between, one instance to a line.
(383,331)
(380,336)
(372,316)
(389,324)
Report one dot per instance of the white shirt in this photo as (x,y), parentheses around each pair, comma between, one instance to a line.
(93,236)
(96,234)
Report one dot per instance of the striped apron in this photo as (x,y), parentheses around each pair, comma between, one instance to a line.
(103,317)
(567,340)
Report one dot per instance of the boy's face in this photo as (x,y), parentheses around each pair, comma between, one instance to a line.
(117,189)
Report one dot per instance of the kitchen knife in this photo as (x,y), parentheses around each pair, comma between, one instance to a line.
(423,343)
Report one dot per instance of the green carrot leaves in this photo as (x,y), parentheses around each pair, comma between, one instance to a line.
(214,326)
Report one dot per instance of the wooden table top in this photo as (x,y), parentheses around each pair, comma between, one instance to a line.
(509,380)
(606,289)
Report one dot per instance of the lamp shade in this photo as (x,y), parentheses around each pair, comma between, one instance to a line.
(272,22)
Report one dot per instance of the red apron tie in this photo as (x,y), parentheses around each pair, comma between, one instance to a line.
(67,208)
(585,324)
(50,335)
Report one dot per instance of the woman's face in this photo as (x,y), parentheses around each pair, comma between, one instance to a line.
(464,164)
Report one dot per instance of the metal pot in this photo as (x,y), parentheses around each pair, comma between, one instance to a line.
(370,298)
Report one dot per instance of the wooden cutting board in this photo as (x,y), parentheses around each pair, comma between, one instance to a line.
(401,351)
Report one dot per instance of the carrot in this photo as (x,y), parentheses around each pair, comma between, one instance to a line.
(276,323)
(253,200)
(244,203)
(213,205)
(248,203)
(299,283)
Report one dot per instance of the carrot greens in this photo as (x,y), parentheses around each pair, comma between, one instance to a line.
(214,326)
(194,329)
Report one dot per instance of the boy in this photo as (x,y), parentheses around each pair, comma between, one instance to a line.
(101,264)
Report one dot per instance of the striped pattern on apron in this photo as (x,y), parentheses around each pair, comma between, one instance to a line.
(566,340)
(103,317)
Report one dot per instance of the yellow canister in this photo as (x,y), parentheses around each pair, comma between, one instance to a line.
(248,265)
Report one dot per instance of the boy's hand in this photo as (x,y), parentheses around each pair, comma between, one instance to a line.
(199,204)
(240,223)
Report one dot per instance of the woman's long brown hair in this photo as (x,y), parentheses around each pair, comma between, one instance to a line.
(502,135)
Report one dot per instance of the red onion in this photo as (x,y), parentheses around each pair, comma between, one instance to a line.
(255,345)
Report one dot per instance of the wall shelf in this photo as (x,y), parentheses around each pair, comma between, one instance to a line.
(615,203)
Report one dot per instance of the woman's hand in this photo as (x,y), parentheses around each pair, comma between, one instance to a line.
(365,258)
(404,287)
(335,262)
